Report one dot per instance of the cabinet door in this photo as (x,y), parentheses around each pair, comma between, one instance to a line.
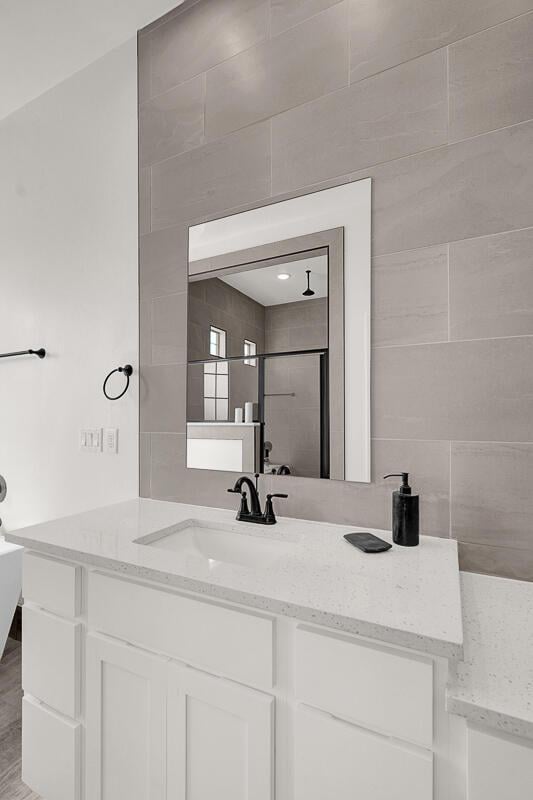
(499,766)
(220,744)
(126,697)
(338,761)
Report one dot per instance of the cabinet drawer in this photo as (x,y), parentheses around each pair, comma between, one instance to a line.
(50,660)
(50,753)
(374,686)
(338,761)
(498,766)
(54,585)
(214,637)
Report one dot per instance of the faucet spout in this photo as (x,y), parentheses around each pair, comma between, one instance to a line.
(254,495)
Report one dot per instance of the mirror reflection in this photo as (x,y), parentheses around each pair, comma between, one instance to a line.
(277,368)
(251,406)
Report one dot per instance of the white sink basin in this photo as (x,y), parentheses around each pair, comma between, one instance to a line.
(239,543)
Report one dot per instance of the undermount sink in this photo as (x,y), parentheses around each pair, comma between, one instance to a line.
(249,545)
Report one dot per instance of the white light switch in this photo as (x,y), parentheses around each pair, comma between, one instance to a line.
(111,440)
(91,440)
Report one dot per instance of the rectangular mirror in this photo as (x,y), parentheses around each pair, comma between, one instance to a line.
(278,338)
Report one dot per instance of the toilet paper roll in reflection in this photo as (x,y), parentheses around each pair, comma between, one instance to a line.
(249,412)
(238,415)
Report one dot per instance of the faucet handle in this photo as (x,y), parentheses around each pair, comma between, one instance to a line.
(243,511)
(269,516)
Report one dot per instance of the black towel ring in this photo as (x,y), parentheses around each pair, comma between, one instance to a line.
(127,370)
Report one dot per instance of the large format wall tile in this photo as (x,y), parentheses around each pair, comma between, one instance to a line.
(287,13)
(172,122)
(508,562)
(302,64)
(473,391)
(491,494)
(204,35)
(359,504)
(143,67)
(491,286)
(145,332)
(491,83)
(410,297)
(400,112)
(388,32)
(167,463)
(144,465)
(214,178)
(163,262)
(169,329)
(172,481)
(145,201)
(476,187)
(162,398)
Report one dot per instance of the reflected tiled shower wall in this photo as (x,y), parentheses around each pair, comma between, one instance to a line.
(242,101)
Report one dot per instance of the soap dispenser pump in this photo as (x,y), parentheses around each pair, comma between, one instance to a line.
(405,519)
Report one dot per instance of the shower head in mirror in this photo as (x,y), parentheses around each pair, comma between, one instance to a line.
(308,292)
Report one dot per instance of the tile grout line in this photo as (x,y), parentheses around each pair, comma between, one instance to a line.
(452,441)
(271,157)
(449,294)
(349,42)
(448,94)
(450,527)
(506,232)
(452,341)
(389,439)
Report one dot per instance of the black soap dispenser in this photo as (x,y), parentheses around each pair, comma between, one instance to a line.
(405,519)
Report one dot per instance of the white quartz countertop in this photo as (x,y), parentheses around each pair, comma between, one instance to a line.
(406,596)
(493,685)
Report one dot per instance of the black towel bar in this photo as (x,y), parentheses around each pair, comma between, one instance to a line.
(40,353)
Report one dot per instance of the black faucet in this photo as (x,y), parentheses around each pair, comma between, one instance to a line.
(255,515)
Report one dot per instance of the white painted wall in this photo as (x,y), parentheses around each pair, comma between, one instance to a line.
(68,282)
(43,42)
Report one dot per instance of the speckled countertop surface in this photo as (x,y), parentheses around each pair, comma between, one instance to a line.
(493,685)
(406,596)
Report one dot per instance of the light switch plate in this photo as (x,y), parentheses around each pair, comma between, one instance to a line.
(91,440)
(111,440)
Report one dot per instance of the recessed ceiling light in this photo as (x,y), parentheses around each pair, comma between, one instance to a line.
(283,276)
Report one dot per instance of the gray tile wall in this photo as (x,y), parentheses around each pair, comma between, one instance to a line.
(243,101)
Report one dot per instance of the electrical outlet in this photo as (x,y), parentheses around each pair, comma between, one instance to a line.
(111,440)
(91,440)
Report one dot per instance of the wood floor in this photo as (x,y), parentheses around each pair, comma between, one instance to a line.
(11,786)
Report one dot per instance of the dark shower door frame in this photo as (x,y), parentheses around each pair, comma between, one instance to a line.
(324,405)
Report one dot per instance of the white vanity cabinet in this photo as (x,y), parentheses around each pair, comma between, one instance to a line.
(125,721)
(335,759)
(364,721)
(174,696)
(157,729)
(499,766)
(220,738)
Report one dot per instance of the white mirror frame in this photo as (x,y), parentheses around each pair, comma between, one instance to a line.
(347,206)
